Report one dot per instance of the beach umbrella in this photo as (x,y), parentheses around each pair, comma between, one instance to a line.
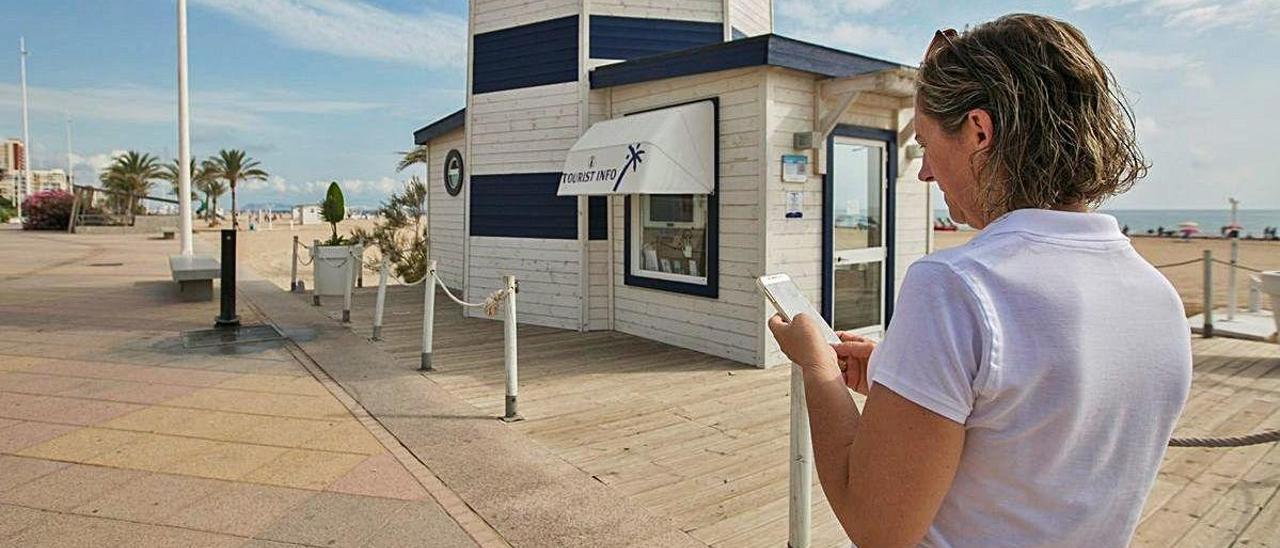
(1187,228)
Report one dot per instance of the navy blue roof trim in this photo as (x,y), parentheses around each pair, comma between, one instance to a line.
(766,49)
(440,127)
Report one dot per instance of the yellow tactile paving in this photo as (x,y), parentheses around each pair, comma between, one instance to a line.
(305,469)
(81,445)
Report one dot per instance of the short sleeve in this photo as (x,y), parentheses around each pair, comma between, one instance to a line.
(932,350)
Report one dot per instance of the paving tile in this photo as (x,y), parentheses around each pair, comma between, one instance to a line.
(19,470)
(14,519)
(305,469)
(5,423)
(417,522)
(283,431)
(238,508)
(150,499)
(20,436)
(81,445)
(29,382)
(380,476)
(127,391)
(348,436)
(282,405)
(62,410)
(229,461)
(153,452)
(68,488)
(305,386)
(78,531)
(332,519)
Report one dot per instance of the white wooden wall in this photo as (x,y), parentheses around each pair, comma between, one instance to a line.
(727,326)
(547,271)
(445,212)
(794,246)
(525,130)
(598,250)
(688,10)
(752,17)
(491,15)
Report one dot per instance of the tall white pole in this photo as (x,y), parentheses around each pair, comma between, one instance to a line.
(26,133)
(184,136)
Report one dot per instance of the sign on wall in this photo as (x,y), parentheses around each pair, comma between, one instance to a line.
(795,168)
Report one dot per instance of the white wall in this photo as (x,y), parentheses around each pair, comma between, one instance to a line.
(688,10)
(491,15)
(752,17)
(726,326)
(445,212)
(525,130)
(547,271)
(794,246)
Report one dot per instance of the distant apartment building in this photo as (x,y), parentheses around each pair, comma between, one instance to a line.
(11,164)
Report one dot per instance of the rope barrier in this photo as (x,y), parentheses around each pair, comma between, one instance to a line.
(1241,267)
(490,304)
(1183,263)
(1268,436)
(409,284)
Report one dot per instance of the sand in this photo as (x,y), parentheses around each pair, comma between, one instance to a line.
(267,252)
(1189,279)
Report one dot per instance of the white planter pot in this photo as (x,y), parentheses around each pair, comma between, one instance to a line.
(1271,286)
(330,263)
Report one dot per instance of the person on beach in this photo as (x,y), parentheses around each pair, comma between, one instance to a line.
(1027,385)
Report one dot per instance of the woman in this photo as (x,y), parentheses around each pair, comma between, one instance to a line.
(1028,384)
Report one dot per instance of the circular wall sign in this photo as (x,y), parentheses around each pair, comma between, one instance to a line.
(453,172)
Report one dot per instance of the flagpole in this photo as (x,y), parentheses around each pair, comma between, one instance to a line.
(26,132)
(184,136)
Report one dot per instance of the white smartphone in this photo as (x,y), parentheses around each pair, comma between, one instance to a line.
(789,302)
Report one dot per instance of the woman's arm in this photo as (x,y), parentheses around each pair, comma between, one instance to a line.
(884,473)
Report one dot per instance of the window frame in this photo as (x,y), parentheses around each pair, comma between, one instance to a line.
(665,281)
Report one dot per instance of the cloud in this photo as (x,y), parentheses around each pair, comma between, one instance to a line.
(356,29)
(153,105)
(1200,15)
(356,190)
(844,24)
(1194,72)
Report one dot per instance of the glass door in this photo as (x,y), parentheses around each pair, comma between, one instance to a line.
(859,183)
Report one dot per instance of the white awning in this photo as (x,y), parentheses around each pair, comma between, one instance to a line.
(668,151)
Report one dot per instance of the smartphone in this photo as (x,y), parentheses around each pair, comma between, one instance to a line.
(789,302)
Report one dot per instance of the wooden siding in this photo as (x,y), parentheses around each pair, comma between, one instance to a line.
(526,130)
(632,37)
(547,270)
(725,326)
(444,212)
(530,55)
(688,10)
(491,15)
(751,17)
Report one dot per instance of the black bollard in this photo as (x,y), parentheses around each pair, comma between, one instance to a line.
(228,316)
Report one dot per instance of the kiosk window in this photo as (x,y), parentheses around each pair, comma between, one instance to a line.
(670,232)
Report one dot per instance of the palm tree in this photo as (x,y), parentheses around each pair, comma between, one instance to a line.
(131,173)
(199,173)
(212,189)
(416,155)
(234,166)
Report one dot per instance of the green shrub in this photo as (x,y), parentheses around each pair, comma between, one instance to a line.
(47,210)
(333,210)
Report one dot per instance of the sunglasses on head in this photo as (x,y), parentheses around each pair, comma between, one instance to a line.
(944,37)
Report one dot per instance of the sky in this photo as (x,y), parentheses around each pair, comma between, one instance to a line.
(321,90)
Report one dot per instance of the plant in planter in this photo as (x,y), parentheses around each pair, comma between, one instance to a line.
(337,257)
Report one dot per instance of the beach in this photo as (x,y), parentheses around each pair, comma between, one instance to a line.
(267,252)
(1189,279)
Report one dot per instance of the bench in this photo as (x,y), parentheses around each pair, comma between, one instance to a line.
(167,234)
(194,275)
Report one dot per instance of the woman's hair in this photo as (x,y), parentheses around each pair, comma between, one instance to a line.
(1064,134)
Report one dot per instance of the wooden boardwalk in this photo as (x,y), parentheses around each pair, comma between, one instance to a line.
(703,440)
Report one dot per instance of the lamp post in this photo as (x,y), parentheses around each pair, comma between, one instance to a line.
(26,133)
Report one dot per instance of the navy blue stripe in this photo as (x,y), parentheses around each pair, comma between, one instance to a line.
(633,37)
(597,218)
(536,54)
(522,205)
(737,34)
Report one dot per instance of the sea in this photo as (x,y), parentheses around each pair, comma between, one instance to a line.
(1210,220)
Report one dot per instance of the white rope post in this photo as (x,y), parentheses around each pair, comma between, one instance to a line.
(293,267)
(509,348)
(428,315)
(1231,280)
(315,254)
(346,287)
(382,298)
(360,268)
(800,479)
(1255,294)
(1207,330)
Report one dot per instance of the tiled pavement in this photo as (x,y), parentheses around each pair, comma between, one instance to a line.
(112,434)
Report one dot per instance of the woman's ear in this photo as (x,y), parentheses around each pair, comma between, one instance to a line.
(979,121)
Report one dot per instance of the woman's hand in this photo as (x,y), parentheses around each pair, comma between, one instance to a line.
(802,341)
(853,354)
